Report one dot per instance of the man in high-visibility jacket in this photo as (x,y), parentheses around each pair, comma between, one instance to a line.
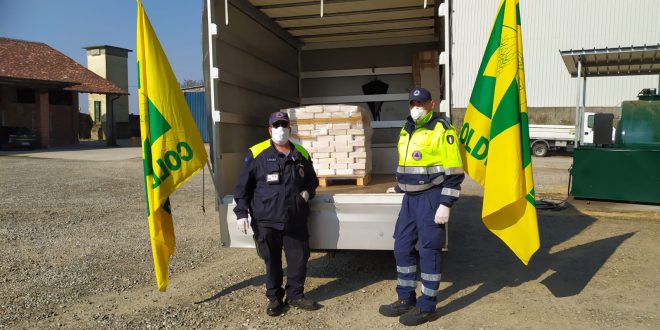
(430,174)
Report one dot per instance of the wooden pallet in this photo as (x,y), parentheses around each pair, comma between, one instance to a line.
(360,180)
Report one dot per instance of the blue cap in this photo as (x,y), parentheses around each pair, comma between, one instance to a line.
(278,116)
(419,94)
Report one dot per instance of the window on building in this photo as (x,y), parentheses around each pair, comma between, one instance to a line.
(60,98)
(25,95)
(590,121)
(97,111)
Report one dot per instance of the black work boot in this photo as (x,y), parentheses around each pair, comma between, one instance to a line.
(304,304)
(396,308)
(275,307)
(415,317)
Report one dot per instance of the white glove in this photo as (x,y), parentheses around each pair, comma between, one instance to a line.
(390,190)
(305,195)
(442,215)
(243,225)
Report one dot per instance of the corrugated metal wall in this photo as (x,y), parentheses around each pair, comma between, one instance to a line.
(550,26)
(197,104)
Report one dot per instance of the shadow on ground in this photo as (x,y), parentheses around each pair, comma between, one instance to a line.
(476,258)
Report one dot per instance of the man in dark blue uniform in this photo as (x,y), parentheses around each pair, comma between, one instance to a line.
(274,188)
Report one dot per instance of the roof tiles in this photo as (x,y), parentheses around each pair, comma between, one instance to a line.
(20,59)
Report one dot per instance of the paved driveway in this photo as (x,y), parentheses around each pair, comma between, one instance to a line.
(85,150)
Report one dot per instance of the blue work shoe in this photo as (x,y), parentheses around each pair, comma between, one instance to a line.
(396,308)
(415,317)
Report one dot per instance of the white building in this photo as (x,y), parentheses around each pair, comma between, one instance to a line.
(551,26)
(111,63)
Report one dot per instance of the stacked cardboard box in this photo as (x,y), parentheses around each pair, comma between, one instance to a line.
(338,137)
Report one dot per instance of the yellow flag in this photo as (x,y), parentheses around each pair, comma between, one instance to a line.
(494,137)
(172,149)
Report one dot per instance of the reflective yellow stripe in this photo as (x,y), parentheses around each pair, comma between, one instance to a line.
(259,148)
(301,150)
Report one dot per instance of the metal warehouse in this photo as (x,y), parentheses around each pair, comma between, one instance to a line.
(548,28)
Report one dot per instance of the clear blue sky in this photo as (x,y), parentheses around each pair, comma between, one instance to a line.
(69,25)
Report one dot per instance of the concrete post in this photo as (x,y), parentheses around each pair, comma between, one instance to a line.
(577,104)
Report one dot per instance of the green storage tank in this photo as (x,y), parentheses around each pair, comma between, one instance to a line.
(640,123)
(630,171)
(617,174)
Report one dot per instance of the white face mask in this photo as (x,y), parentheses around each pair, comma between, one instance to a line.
(280,135)
(417,113)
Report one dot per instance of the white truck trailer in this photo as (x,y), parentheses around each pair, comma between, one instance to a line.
(261,56)
(543,138)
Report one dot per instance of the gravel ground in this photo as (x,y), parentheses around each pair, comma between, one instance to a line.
(75,253)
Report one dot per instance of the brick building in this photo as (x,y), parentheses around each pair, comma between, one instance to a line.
(39,89)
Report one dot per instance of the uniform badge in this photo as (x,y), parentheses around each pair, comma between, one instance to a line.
(450,139)
(417,155)
(273,178)
(301,171)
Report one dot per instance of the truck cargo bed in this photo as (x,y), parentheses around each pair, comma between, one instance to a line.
(378,184)
(552,132)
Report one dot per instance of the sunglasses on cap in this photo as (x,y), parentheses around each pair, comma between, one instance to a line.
(278,124)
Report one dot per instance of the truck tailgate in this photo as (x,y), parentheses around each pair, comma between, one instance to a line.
(336,222)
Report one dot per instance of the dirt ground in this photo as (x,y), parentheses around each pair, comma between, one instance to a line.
(75,253)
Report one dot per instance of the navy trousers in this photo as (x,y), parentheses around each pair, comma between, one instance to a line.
(415,226)
(270,242)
